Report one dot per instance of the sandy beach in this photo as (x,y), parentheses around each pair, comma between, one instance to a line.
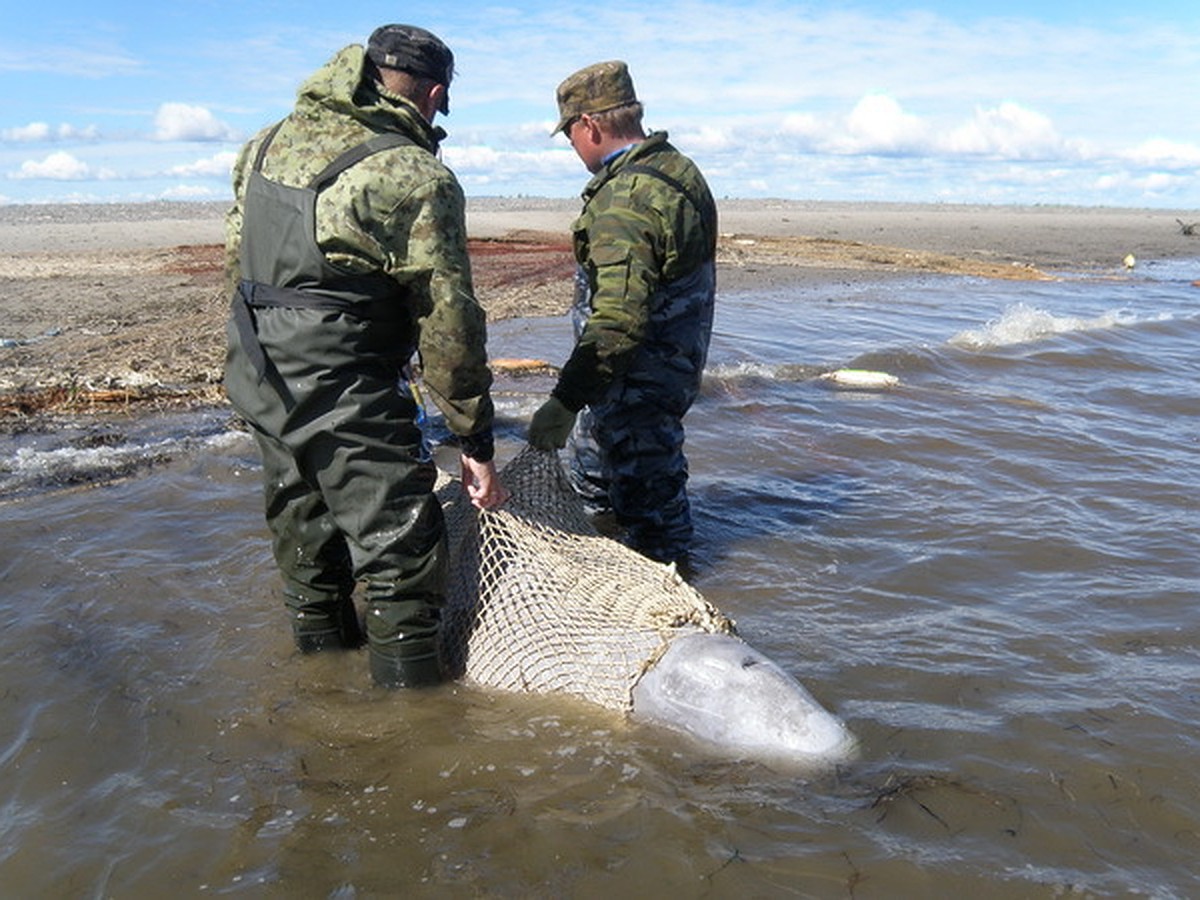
(108,308)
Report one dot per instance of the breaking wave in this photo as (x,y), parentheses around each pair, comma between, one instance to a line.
(99,458)
(1023,324)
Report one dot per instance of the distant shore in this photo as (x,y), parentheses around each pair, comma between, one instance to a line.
(116,303)
(1046,237)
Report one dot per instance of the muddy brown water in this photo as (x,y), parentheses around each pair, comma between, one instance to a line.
(989,571)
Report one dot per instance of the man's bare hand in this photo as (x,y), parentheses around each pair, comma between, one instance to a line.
(482,484)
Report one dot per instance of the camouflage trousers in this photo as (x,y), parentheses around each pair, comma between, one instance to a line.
(629,460)
(627,450)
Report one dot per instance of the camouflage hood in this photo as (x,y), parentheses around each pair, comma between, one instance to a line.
(339,86)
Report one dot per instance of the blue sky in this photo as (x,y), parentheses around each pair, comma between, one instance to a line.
(1089,103)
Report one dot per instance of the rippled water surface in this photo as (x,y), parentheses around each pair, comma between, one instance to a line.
(989,571)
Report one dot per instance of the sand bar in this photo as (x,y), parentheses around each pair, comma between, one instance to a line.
(126,301)
(1047,237)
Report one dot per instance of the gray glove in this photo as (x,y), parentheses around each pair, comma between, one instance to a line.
(551,424)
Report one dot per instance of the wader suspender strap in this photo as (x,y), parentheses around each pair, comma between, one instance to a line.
(267,295)
(356,154)
(256,295)
(262,148)
(707,211)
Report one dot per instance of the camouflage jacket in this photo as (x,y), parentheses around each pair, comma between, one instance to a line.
(399,211)
(637,234)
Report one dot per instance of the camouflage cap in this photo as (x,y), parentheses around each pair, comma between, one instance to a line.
(415,50)
(595,89)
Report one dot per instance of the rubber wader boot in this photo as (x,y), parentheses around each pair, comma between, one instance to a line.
(402,643)
(325,625)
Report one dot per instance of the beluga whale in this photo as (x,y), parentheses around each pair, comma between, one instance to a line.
(540,602)
(729,696)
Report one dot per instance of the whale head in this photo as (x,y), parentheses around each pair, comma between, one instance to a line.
(723,692)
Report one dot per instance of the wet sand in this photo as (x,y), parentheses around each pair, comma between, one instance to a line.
(116,306)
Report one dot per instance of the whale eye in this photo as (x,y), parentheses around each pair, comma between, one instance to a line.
(749,662)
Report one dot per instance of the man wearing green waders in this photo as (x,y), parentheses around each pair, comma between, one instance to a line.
(347,252)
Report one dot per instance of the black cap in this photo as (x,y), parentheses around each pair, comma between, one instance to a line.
(415,50)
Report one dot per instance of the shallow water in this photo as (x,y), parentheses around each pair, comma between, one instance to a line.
(989,571)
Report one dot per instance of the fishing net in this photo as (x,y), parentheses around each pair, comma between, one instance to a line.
(539,601)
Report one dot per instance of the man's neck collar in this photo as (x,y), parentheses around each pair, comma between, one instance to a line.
(615,153)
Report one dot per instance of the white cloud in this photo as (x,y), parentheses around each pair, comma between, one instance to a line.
(66,132)
(835,103)
(1009,131)
(800,125)
(1145,183)
(474,157)
(878,124)
(707,138)
(482,164)
(60,166)
(187,192)
(184,122)
(34,131)
(218,165)
(537,132)
(1156,182)
(41,131)
(1161,152)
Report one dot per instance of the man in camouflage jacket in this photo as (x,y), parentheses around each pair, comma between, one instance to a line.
(645,243)
(347,253)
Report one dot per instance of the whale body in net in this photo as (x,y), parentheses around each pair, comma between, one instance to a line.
(538,601)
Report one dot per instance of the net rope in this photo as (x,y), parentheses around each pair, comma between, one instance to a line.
(539,601)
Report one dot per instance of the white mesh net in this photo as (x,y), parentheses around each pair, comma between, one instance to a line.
(539,601)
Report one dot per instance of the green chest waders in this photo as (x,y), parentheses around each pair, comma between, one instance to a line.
(339,472)
(282,267)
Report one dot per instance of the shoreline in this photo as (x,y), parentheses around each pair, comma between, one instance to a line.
(122,305)
(1049,236)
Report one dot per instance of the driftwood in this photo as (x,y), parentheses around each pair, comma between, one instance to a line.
(1187,229)
(21,405)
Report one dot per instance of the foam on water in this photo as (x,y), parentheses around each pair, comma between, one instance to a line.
(97,457)
(1022,324)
